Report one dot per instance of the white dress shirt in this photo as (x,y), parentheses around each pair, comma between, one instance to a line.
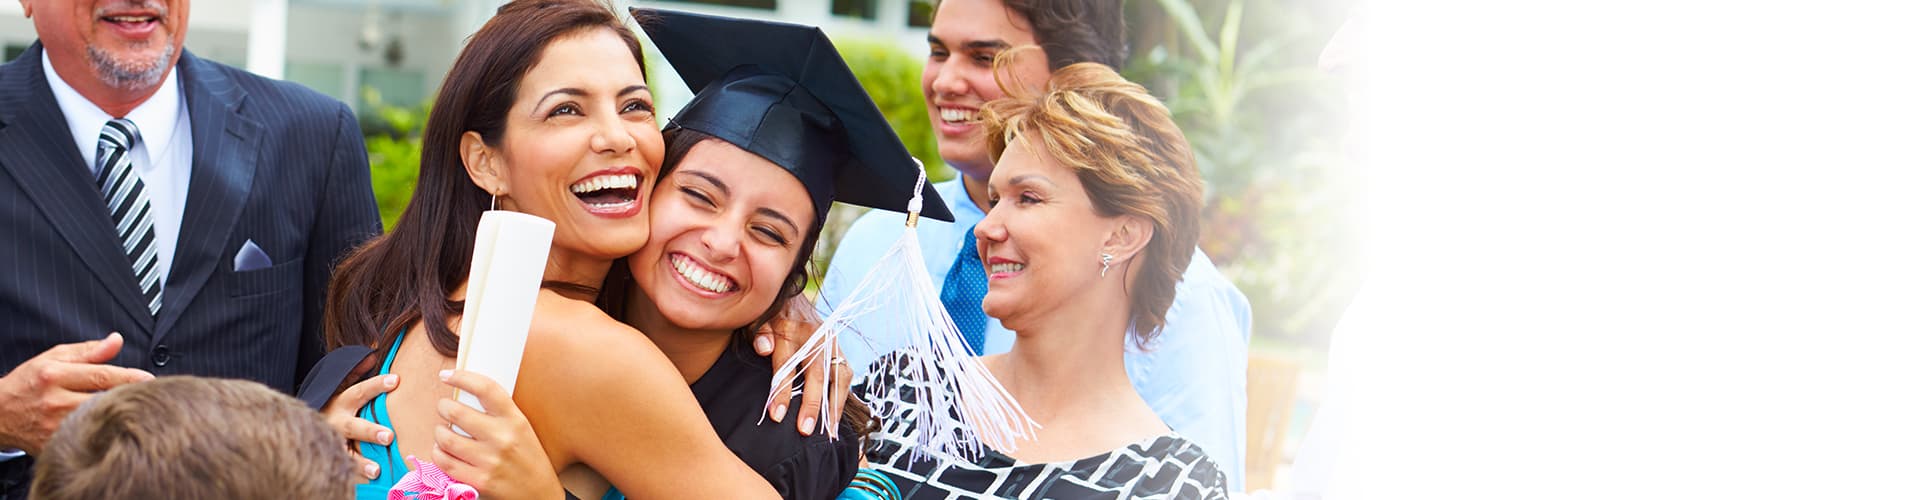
(162,156)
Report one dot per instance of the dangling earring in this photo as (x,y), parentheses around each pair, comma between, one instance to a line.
(493,202)
(1106,261)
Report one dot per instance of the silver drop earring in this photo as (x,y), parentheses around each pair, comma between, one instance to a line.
(1106,261)
(493,202)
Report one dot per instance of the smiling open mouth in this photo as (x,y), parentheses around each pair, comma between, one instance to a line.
(607,191)
(700,277)
(130,20)
(958,116)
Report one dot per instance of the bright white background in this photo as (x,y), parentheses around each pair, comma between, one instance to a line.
(1640,249)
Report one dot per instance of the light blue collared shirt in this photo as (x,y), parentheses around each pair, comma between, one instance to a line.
(1194,376)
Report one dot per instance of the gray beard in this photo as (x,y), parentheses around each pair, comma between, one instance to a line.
(131,76)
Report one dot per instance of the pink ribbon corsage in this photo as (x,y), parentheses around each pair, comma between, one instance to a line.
(427,482)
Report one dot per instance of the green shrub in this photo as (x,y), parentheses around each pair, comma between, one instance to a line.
(892,77)
(393,153)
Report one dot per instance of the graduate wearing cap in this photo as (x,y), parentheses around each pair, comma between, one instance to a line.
(778,130)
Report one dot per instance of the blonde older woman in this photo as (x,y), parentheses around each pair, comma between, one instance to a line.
(1095,206)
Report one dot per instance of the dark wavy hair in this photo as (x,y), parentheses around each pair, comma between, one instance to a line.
(1075,31)
(404,276)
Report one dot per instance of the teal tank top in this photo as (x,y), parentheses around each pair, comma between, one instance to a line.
(392,465)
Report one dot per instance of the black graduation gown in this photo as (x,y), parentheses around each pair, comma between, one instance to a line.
(732,393)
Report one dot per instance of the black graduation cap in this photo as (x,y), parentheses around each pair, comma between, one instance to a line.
(781,91)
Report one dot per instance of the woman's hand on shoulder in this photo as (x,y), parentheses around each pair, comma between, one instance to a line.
(503,458)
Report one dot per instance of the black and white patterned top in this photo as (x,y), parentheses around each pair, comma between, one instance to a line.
(1167,466)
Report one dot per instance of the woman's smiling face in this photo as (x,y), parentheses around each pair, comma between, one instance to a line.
(727,228)
(581,146)
(1041,239)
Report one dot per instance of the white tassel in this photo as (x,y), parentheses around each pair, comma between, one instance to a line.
(944,376)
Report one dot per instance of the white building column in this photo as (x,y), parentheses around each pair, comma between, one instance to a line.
(468,16)
(267,39)
(809,12)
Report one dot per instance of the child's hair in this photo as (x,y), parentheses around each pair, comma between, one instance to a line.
(192,437)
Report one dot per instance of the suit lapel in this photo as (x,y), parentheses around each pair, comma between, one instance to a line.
(224,154)
(40,156)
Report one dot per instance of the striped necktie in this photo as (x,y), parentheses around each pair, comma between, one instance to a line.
(965,287)
(129,206)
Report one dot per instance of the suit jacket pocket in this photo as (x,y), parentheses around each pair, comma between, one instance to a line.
(279,277)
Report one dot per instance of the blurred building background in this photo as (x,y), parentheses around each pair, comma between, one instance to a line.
(401,48)
(1244,79)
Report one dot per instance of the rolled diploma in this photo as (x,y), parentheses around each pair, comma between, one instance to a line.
(509,262)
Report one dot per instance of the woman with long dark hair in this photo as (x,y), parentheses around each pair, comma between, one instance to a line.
(546,112)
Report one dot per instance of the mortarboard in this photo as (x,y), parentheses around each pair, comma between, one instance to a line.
(781,91)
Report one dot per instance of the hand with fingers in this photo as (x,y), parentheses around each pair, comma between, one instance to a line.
(783,336)
(341,414)
(36,395)
(503,459)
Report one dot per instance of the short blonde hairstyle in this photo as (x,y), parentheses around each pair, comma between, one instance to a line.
(191,437)
(1123,145)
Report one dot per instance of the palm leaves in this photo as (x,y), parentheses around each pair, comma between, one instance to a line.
(1264,122)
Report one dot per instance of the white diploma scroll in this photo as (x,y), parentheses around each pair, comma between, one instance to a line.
(509,260)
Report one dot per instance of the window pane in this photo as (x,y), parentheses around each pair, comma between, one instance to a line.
(755,4)
(393,87)
(329,79)
(920,13)
(863,9)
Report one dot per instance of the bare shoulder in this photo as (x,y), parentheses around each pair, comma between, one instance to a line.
(563,322)
(574,352)
(573,345)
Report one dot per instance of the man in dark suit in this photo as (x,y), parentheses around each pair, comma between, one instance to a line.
(194,208)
